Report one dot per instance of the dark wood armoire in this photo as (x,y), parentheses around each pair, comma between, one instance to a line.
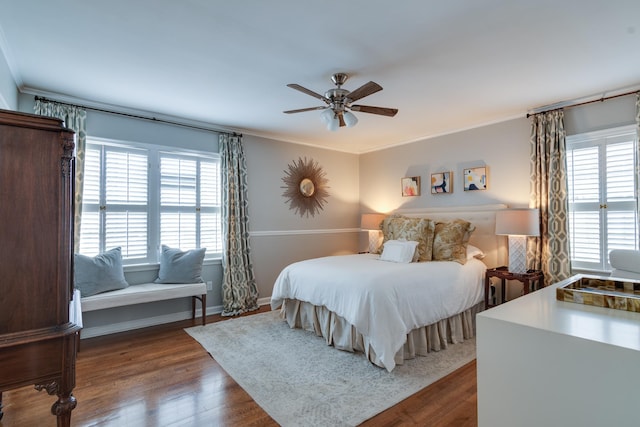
(38,330)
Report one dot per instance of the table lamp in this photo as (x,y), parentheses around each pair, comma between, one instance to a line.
(371,223)
(517,224)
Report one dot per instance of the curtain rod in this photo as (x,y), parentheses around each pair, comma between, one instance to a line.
(602,99)
(135,116)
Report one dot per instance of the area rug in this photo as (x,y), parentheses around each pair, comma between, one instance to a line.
(300,381)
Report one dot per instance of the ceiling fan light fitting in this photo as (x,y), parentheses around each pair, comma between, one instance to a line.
(327,115)
(334,124)
(338,101)
(350,119)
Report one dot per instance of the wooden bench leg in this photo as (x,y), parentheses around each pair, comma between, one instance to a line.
(204,309)
(203,304)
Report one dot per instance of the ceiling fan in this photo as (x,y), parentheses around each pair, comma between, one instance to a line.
(339,101)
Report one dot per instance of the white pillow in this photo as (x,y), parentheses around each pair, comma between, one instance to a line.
(473,252)
(399,251)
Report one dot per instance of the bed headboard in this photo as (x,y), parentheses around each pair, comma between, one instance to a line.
(483,217)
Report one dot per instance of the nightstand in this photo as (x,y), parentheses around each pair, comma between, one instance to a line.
(531,279)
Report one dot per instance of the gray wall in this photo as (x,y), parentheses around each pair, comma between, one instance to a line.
(358,183)
(278,235)
(600,115)
(8,89)
(503,148)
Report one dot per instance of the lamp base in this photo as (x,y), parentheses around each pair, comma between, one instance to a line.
(374,240)
(518,254)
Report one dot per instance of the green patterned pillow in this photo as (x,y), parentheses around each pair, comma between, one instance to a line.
(450,240)
(419,230)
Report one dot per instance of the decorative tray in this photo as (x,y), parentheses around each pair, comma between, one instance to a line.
(602,292)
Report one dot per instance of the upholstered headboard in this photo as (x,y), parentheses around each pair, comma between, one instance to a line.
(484,237)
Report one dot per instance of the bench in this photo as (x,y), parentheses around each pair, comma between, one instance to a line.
(148,292)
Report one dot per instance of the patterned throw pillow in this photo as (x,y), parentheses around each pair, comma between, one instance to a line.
(450,240)
(421,230)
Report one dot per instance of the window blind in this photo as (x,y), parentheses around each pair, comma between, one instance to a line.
(603,210)
(139,198)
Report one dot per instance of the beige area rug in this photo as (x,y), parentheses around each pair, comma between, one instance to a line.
(300,381)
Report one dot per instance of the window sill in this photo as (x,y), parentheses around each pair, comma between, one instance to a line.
(155,266)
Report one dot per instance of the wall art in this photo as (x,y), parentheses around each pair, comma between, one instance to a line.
(475,178)
(306,187)
(441,183)
(410,186)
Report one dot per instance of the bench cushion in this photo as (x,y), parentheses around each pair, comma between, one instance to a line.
(138,294)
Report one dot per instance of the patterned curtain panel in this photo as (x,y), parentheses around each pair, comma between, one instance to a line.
(74,118)
(239,290)
(550,251)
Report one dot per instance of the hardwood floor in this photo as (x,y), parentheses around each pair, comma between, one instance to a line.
(160,376)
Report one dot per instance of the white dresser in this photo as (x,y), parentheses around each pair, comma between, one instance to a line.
(543,362)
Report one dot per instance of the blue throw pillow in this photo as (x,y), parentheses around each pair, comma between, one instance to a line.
(102,273)
(177,266)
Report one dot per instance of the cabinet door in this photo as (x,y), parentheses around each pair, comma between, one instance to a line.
(35,226)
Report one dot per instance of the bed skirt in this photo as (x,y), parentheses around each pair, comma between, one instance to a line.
(342,335)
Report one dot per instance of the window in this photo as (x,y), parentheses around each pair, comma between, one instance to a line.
(139,197)
(602,185)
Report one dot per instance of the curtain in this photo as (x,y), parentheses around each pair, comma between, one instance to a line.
(74,118)
(239,290)
(550,251)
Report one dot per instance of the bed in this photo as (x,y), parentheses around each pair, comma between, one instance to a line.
(393,311)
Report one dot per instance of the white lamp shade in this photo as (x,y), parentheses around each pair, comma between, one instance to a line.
(333,124)
(371,221)
(327,115)
(518,222)
(350,119)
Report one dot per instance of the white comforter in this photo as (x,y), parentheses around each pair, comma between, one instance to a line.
(383,300)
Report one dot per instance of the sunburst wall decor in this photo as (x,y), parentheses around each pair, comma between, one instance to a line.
(306,187)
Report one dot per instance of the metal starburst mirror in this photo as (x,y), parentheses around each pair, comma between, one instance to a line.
(306,187)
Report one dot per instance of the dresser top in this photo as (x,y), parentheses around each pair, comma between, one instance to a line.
(541,310)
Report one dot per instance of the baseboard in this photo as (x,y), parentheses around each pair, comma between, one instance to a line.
(114,328)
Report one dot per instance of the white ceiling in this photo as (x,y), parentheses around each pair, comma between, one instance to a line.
(446,65)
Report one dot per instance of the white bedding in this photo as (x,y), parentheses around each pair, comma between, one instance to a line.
(383,300)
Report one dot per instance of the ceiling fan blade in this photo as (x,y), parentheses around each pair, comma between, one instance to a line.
(308,92)
(375,110)
(364,90)
(341,119)
(302,110)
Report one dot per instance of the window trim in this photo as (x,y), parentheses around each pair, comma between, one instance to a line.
(594,138)
(154,152)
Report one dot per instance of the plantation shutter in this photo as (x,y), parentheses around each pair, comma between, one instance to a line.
(126,209)
(90,230)
(189,203)
(115,202)
(602,197)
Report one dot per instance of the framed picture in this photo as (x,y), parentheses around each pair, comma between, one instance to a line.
(410,186)
(475,178)
(441,183)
